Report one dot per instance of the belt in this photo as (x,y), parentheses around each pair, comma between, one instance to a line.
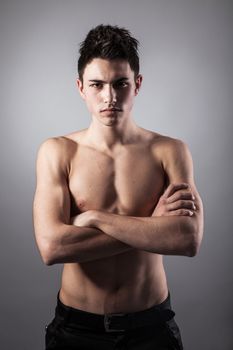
(116,322)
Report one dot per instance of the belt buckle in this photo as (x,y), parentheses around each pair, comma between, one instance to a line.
(107,322)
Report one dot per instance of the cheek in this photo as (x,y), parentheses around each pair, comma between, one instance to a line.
(122,96)
(92,100)
(128,98)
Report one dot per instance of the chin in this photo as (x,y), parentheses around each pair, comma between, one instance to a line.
(109,121)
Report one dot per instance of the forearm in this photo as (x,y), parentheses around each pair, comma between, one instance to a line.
(161,235)
(81,244)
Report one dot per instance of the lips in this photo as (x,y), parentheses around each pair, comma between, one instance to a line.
(111,109)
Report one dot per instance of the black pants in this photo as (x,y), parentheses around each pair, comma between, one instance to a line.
(74,329)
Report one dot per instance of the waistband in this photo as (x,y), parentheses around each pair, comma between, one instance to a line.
(116,322)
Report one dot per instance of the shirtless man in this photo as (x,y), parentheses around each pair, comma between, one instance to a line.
(110,201)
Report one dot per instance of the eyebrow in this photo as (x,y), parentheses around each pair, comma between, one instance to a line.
(114,81)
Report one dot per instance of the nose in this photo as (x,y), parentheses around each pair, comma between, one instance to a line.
(109,94)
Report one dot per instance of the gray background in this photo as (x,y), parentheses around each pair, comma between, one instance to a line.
(186,60)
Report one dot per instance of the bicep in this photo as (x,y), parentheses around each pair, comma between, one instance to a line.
(51,206)
(179,168)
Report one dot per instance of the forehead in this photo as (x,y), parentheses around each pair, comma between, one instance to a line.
(102,69)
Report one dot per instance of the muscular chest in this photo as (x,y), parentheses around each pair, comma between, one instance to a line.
(128,183)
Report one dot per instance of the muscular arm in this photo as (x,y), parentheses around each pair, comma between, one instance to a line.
(57,240)
(174,235)
(168,235)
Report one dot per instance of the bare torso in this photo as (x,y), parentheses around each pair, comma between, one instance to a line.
(129,181)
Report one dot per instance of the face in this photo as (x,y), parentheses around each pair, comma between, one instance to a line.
(109,89)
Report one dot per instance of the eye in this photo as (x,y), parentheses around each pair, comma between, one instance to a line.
(121,84)
(96,85)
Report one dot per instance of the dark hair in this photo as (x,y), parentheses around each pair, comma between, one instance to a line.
(108,42)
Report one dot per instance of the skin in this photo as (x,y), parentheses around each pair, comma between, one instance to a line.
(112,199)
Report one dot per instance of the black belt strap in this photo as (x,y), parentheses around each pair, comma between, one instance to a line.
(116,322)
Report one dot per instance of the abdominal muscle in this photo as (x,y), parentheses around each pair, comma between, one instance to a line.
(127,282)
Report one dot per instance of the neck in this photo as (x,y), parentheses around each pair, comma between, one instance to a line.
(107,137)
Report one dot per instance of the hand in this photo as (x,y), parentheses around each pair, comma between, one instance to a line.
(84,219)
(176,200)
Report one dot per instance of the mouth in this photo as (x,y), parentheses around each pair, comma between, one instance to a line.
(114,109)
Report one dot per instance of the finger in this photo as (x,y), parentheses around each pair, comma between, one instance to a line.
(172,188)
(182,204)
(181,195)
(180,212)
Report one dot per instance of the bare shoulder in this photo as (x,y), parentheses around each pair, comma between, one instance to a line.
(163,147)
(174,157)
(64,145)
(57,153)
(54,147)
(167,148)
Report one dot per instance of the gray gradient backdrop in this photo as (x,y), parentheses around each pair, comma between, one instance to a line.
(186,60)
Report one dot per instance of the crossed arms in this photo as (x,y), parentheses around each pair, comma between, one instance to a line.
(175,226)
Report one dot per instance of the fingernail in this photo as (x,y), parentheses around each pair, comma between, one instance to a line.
(191,213)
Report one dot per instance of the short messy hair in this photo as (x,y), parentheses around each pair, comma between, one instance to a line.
(109,42)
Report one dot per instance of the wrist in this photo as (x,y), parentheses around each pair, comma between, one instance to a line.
(100,219)
(94,218)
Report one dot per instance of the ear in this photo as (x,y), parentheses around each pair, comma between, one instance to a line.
(138,84)
(80,88)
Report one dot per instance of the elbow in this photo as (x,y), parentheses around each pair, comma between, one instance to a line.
(49,245)
(192,249)
(193,232)
(48,253)
(194,243)
(48,260)
(196,230)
